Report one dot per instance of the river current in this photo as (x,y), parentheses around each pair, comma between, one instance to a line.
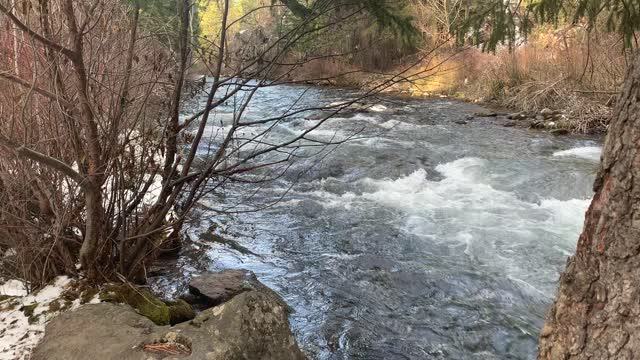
(421,238)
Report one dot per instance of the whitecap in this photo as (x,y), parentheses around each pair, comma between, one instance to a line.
(584,152)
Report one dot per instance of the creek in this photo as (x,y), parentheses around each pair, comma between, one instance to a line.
(420,238)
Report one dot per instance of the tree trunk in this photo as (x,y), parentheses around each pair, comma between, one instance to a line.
(596,313)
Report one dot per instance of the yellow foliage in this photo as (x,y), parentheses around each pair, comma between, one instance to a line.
(439,75)
(210,12)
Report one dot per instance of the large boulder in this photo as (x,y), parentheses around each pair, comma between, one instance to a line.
(249,326)
(217,287)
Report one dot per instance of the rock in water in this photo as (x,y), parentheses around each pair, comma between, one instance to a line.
(215,288)
(250,326)
(547,113)
(485,114)
(537,124)
(219,287)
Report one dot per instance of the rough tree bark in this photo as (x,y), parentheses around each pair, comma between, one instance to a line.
(596,313)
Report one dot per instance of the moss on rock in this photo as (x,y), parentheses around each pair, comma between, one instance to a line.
(29,309)
(87,295)
(142,300)
(180,311)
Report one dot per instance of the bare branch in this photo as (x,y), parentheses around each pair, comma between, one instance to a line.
(43,159)
(49,43)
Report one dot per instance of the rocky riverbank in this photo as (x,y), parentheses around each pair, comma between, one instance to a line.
(554,121)
(225,315)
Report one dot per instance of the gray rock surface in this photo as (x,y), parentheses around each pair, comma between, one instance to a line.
(547,113)
(217,287)
(485,114)
(252,325)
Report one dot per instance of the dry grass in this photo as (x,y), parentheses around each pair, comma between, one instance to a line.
(568,70)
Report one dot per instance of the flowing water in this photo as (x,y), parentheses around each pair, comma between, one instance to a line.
(421,238)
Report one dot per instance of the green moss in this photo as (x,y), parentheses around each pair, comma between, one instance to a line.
(29,309)
(5,297)
(87,295)
(141,300)
(33,319)
(180,311)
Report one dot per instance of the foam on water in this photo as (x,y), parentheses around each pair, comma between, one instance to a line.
(491,227)
(585,152)
(378,108)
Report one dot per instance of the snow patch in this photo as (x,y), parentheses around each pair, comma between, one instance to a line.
(13,288)
(19,333)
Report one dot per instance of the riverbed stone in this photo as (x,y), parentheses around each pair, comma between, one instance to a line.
(517,116)
(485,114)
(547,113)
(219,287)
(537,124)
(249,326)
(214,288)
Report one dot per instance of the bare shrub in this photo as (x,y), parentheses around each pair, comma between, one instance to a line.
(98,168)
(568,69)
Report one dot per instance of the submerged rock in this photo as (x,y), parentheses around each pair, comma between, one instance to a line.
(252,325)
(485,114)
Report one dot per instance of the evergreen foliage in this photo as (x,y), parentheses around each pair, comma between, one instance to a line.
(495,22)
(386,13)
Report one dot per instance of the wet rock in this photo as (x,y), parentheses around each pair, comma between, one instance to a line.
(213,237)
(517,116)
(510,124)
(461,122)
(547,113)
(550,125)
(485,114)
(219,287)
(250,326)
(310,208)
(537,124)
(559,132)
